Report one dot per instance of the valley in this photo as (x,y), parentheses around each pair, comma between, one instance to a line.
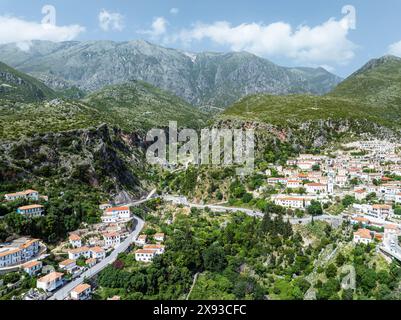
(319,217)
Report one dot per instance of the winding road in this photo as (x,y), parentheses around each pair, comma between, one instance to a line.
(253,213)
(63,292)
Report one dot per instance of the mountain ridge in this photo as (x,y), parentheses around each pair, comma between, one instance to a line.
(202,79)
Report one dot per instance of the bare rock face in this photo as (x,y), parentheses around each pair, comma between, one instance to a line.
(100,157)
(205,79)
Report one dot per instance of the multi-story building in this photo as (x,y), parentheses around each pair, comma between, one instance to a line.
(32,267)
(50,282)
(26,194)
(112,215)
(75,240)
(363,236)
(33,210)
(75,254)
(111,239)
(81,292)
(18,252)
(144,255)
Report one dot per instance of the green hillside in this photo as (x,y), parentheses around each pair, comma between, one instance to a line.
(17,86)
(373,93)
(282,110)
(27,119)
(378,82)
(137,104)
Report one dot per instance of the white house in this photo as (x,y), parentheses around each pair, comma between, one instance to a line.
(75,240)
(294,184)
(75,254)
(81,292)
(50,282)
(159,249)
(26,194)
(141,240)
(32,267)
(112,215)
(315,188)
(159,237)
(20,251)
(33,210)
(363,236)
(381,211)
(68,265)
(90,262)
(98,253)
(144,255)
(111,239)
(292,202)
(360,194)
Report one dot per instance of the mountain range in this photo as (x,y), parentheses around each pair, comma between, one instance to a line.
(208,80)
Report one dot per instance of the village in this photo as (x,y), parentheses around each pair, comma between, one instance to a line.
(366,175)
(83,250)
(363,176)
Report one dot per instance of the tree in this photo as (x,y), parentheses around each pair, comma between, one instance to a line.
(214,258)
(315,208)
(348,200)
(331,271)
(340,259)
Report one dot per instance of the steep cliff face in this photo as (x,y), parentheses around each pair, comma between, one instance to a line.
(103,158)
(308,135)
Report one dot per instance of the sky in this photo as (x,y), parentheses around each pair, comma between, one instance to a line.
(340,36)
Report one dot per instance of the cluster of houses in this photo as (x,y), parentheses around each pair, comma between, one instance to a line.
(366,234)
(55,280)
(359,170)
(18,252)
(33,210)
(149,251)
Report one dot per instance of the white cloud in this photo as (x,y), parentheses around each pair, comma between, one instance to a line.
(174,11)
(22,32)
(159,27)
(110,21)
(395,49)
(326,43)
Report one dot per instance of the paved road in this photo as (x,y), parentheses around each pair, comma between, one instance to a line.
(390,245)
(63,293)
(253,213)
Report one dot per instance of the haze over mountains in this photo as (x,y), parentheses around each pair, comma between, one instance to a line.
(204,79)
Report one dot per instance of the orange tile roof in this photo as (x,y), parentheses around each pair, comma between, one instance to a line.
(31,264)
(363,233)
(381,206)
(74,237)
(125,208)
(97,249)
(51,277)
(9,252)
(28,243)
(21,193)
(32,206)
(81,288)
(145,251)
(90,260)
(66,262)
(78,250)
(153,246)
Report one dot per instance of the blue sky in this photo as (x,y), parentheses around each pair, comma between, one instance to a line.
(286,32)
